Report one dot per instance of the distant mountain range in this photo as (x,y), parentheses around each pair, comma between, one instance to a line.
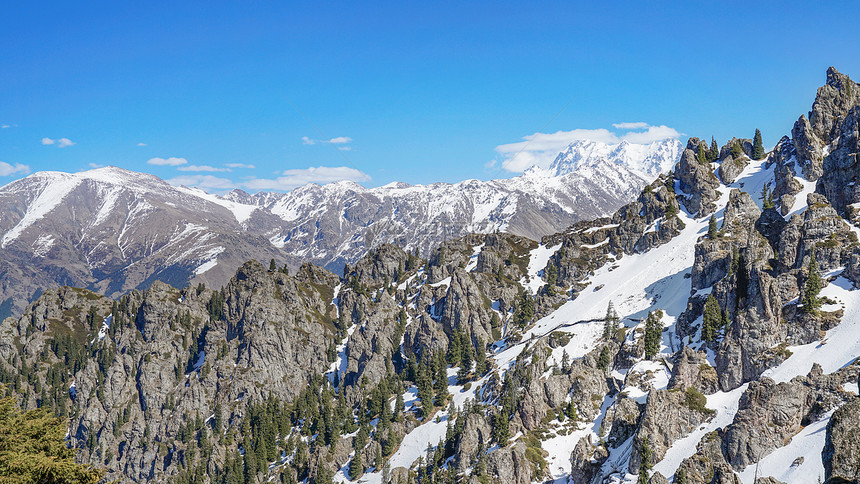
(112,230)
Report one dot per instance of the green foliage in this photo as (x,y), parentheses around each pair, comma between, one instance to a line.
(758,148)
(32,449)
(524,311)
(671,210)
(714,152)
(814,283)
(551,279)
(712,228)
(681,476)
(766,197)
(653,334)
(701,155)
(272,266)
(603,360)
(480,358)
(356,469)
(646,457)
(736,150)
(712,318)
(501,429)
(695,400)
(215,306)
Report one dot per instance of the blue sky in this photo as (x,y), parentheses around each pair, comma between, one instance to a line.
(408,92)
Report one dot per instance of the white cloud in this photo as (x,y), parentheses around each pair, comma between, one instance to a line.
(652,134)
(60,142)
(287,180)
(634,125)
(290,179)
(240,165)
(205,182)
(141,144)
(94,165)
(172,161)
(5,126)
(344,148)
(540,149)
(339,140)
(6,169)
(201,168)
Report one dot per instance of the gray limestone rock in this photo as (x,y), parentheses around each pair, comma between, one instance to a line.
(841,453)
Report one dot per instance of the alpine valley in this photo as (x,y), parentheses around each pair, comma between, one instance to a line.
(649,314)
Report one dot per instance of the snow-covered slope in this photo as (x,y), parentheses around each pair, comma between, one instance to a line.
(112,230)
(636,284)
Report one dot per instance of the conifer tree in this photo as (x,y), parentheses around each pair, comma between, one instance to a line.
(715,151)
(525,310)
(465,360)
(603,360)
(501,429)
(480,358)
(711,318)
(32,448)
(813,286)
(701,156)
(758,148)
(653,333)
(712,228)
(356,469)
(398,408)
(645,466)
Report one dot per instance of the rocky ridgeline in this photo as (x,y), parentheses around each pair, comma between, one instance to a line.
(295,377)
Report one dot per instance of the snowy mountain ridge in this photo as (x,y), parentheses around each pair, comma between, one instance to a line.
(112,229)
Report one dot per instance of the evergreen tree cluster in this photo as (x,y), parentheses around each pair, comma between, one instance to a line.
(32,448)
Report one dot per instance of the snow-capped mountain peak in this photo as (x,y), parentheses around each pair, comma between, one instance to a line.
(644,160)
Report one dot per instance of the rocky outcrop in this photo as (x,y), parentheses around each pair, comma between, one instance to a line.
(698,183)
(625,417)
(768,414)
(669,415)
(475,437)
(734,157)
(708,465)
(786,186)
(692,370)
(648,222)
(510,464)
(586,460)
(812,137)
(841,452)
